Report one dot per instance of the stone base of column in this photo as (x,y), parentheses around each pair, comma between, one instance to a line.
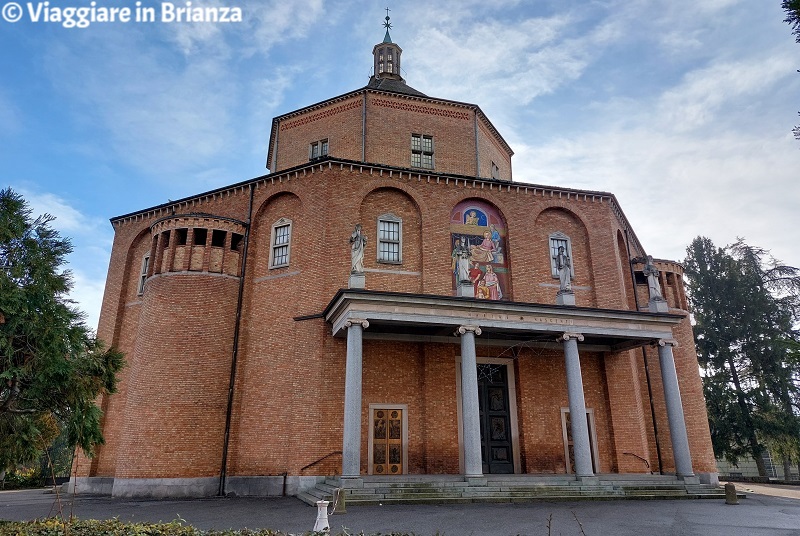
(689,479)
(587,480)
(658,306)
(465,290)
(477,480)
(565,297)
(357,281)
(711,479)
(351,482)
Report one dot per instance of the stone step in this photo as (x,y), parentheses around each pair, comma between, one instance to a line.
(310,500)
(446,484)
(418,489)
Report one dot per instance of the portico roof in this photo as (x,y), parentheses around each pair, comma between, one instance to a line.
(432,318)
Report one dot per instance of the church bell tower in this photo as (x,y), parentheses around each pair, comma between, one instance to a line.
(386,55)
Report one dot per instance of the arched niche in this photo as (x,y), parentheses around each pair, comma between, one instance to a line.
(479,230)
(557,223)
(273,214)
(625,273)
(392,222)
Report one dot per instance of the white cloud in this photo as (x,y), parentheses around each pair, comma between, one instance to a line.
(493,64)
(180,122)
(87,292)
(275,21)
(705,92)
(264,25)
(675,187)
(69,221)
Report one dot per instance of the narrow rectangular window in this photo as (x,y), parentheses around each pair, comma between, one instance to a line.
(390,234)
(281,243)
(495,171)
(181,235)
(143,275)
(217,238)
(318,149)
(200,236)
(422,151)
(236,241)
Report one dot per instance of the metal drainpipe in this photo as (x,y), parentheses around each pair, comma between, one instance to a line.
(364,129)
(644,356)
(223,472)
(477,148)
(274,167)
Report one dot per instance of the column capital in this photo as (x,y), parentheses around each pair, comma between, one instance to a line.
(464,329)
(356,321)
(567,335)
(666,342)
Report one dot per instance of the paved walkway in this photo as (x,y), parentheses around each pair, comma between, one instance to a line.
(773,490)
(758,515)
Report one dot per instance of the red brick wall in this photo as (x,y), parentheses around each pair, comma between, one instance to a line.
(338,122)
(385,135)
(491,150)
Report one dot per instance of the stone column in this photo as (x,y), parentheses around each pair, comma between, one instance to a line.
(577,406)
(672,398)
(470,411)
(351,437)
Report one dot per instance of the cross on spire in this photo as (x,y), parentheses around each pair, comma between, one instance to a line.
(387,24)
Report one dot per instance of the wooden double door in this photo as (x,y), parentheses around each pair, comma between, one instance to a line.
(387,441)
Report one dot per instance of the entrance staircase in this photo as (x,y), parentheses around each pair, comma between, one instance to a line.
(453,489)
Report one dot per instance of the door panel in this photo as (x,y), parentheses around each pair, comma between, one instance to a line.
(387,441)
(496,450)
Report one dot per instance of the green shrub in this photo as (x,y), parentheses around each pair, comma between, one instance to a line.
(115,527)
(22,479)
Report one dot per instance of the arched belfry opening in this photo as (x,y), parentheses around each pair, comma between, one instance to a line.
(386,63)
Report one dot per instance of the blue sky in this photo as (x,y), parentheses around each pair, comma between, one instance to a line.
(681,108)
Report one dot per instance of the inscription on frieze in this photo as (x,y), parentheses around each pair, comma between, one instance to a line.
(522,318)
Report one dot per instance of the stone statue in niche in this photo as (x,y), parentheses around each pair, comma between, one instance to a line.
(358,242)
(460,263)
(564,268)
(652,279)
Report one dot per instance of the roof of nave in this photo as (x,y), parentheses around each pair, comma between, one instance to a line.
(393,86)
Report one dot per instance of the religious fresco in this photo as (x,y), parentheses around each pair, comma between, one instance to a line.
(478,233)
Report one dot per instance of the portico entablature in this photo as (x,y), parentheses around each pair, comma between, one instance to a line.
(434,318)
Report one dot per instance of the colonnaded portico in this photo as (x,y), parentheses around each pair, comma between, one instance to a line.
(425,318)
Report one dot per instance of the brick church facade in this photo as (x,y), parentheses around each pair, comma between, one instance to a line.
(268,345)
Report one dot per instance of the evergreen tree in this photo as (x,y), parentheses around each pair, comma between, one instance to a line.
(52,368)
(792,10)
(745,305)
